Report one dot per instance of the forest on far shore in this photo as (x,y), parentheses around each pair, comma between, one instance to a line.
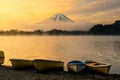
(98,29)
(41,32)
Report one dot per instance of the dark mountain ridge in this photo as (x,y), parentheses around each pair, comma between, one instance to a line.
(111,29)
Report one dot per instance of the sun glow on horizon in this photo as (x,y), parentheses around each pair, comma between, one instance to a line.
(17,13)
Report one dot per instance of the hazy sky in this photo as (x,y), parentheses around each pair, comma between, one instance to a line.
(17,13)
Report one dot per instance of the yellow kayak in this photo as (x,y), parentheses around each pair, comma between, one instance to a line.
(21,63)
(98,66)
(1,57)
(45,65)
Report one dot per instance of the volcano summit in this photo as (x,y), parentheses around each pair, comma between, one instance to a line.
(60,17)
(58,21)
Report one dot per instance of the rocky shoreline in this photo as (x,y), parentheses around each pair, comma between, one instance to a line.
(8,73)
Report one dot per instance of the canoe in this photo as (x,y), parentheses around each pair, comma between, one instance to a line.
(76,66)
(98,66)
(21,63)
(1,57)
(47,65)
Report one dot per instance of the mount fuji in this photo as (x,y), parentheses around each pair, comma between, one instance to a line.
(58,21)
(58,18)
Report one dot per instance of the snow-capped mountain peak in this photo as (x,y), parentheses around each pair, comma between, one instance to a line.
(58,21)
(60,17)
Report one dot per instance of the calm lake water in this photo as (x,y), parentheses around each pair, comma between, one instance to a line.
(63,48)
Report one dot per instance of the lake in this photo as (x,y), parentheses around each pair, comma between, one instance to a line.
(63,48)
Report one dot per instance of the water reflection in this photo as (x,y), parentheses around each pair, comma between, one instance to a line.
(107,50)
(117,47)
(64,48)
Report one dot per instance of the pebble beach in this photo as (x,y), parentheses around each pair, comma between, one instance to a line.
(8,73)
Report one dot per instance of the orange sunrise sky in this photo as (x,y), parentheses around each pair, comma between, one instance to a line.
(15,14)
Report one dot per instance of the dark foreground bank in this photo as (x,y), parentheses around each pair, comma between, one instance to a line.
(7,73)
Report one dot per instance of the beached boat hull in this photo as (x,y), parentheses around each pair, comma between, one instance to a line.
(1,57)
(76,66)
(99,67)
(46,65)
(21,63)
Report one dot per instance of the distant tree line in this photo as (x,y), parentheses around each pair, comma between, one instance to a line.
(20,32)
(99,29)
(41,32)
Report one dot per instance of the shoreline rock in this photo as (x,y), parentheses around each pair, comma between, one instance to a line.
(7,73)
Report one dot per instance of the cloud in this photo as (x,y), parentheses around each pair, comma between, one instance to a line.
(86,13)
(94,6)
(21,12)
(95,11)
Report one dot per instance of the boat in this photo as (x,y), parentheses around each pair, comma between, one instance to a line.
(76,66)
(42,65)
(2,57)
(98,66)
(21,63)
